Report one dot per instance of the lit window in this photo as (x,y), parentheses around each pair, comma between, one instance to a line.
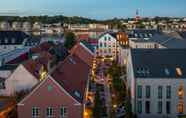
(49,112)
(180,107)
(63,112)
(35,111)
(181,92)
(179,71)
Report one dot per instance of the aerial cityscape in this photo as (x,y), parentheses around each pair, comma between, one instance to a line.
(93,59)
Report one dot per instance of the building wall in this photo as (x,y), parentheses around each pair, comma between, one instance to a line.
(111,46)
(123,55)
(134,44)
(5,73)
(20,80)
(41,97)
(175,84)
(131,80)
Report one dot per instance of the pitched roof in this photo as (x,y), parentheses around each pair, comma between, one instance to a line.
(141,34)
(33,66)
(72,74)
(158,63)
(83,53)
(18,37)
(169,41)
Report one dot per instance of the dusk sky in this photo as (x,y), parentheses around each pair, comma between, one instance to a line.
(98,9)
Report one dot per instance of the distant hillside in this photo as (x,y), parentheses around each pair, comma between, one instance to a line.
(49,19)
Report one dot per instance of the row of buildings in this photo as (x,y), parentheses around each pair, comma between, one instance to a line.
(45,71)
(156,67)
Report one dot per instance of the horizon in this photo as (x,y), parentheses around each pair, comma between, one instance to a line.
(106,9)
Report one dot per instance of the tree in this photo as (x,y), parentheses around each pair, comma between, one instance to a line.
(70,40)
(97,106)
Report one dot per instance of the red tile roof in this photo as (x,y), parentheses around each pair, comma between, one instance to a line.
(42,47)
(83,53)
(72,74)
(33,66)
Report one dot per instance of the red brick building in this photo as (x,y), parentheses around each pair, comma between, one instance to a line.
(62,94)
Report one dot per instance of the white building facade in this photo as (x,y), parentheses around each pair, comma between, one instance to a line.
(157,89)
(107,45)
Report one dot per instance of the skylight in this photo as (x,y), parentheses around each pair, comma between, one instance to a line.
(167,72)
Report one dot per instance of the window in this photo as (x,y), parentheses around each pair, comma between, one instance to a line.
(167,71)
(139,91)
(168,107)
(109,38)
(101,44)
(180,107)
(160,107)
(181,92)
(49,112)
(160,92)
(148,91)
(35,111)
(63,112)
(139,106)
(2,85)
(168,92)
(147,107)
(179,71)
(105,38)
(105,44)
(6,40)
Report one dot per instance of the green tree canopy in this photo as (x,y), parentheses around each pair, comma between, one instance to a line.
(70,40)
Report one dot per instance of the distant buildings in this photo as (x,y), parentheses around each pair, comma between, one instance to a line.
(156,79)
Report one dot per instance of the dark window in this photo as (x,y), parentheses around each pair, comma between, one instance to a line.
(160,92)
(168,92)
(139,91)
(147,107)
(35,111)
(2,85)
(168,107)
(160,107)
(49,112)
(139,107)
(63,111)
(105,44)
(148,91)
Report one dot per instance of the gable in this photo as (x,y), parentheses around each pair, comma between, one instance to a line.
(20,79)
(102,38)
(49,89)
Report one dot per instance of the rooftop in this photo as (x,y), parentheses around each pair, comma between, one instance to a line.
(159,63)
(72,74)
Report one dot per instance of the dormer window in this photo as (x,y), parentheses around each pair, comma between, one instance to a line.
(179,71)
(77,94)
(13,40)
(167,72)
(6,40)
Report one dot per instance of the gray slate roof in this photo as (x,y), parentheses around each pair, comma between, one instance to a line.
(169,41)
(158,63)
(8,36)
(141,34)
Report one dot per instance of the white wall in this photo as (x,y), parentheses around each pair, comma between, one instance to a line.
(154,83)
(5,73)
(20,80)
(112,43)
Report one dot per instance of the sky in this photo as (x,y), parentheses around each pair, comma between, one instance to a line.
(96,9)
